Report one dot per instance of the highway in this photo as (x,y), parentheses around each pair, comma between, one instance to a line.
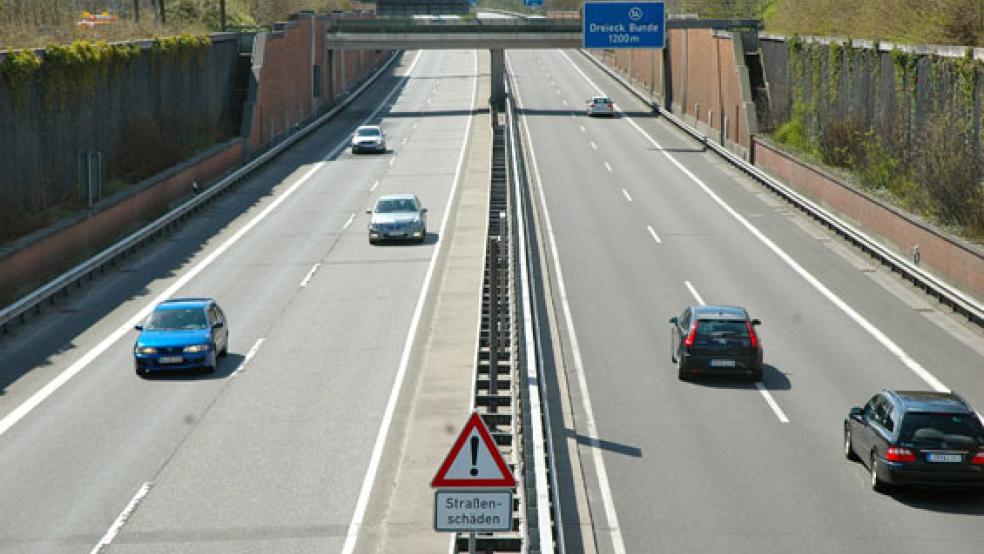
(273,452)
(639,222)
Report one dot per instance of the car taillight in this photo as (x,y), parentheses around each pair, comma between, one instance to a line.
(978,459)
(752,337)
(691,336)
(896,454)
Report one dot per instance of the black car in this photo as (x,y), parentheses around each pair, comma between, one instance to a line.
(716,340)
(917,438)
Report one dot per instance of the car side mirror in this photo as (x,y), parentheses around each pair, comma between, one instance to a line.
(423,210)
(218,325)
(756,322)
(674,320)
(369,212)
(138,327)
(856,413)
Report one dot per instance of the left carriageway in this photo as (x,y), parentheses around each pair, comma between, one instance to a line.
(272,452)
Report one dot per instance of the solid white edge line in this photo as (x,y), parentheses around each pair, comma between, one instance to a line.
(771,402)
(876,333)
(652,233)
(310,275)
(693,291)
(608,166)
(601,474)
(349,221)
(249,356)
(49,388)
(625,193)
(352,536)
(117,525)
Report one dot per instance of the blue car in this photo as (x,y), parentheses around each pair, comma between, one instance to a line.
(181,333)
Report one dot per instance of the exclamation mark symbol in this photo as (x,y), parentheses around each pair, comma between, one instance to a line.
(474,452)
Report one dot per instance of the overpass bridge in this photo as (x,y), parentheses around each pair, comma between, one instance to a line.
(496,35)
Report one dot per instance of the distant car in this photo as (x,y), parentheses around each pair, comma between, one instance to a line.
(601,105)
(182,333)
(926,439)
(716,340)
(397,216)
(368,138)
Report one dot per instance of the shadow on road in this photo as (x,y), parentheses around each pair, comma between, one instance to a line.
(227,366)
(773,379)
(610,446)
(948,502)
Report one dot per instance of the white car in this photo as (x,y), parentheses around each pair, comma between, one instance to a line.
(601,105)
(368,138)
(398,216)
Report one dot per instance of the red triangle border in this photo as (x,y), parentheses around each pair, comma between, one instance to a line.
(441,479)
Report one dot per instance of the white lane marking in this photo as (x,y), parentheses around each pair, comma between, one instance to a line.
(771,402)
(876,333)
(249,356)
(593,145)
(558,91)
(625,193)
(348,221)
(404,141)
(694,292)
(117,525)
(310,275)
(608,166)
(352,535)
(652,233)
(392,160)
(583,130)
(44,392)
(618,545)
(374,185)
(758,384)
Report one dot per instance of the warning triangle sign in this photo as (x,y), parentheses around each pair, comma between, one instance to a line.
(474,460)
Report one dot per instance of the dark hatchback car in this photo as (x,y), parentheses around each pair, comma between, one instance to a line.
(181,333)
(915,438)
(718,340)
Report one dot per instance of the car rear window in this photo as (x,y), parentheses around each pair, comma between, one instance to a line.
(937,428)
(602,100)
(722,328)
(177,319)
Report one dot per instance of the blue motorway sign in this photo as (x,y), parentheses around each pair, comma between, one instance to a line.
(533,3)
(624,25)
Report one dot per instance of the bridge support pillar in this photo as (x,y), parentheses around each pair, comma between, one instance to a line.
(498,67)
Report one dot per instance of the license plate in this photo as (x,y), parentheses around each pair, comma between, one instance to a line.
(944,458)
(722,363)
(170,359)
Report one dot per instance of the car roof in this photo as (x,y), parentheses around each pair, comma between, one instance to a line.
(736,313)
(177,303)
(408,196)
(603,98)
(361,127)
(931,401)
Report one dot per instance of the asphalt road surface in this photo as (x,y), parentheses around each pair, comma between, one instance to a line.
(644,223)
(270,453)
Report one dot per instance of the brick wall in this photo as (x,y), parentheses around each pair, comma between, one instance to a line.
(957,263)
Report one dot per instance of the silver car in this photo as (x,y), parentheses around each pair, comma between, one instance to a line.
(397,216)
(601,105)
(368,138)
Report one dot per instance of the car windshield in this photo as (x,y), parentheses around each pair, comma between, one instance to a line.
(368,132)
(395,205)
(937,428)
(722,328)
(177,320)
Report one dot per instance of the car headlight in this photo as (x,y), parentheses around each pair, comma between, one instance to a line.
(145,350)
(196,348)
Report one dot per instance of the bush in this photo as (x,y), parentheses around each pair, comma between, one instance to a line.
(842,142)
(950,171)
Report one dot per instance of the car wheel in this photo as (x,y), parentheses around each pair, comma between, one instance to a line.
(142,373)
(211,367)
(757,376)
(682,373)
(225,349)
(877,484)
(848,448)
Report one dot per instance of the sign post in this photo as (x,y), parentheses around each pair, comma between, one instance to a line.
(624,25)
(475,486)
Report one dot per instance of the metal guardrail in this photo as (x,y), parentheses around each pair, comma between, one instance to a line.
(945,293)
(400,25)
(61,284)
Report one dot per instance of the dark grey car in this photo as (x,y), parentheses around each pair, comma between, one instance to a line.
(715,340)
